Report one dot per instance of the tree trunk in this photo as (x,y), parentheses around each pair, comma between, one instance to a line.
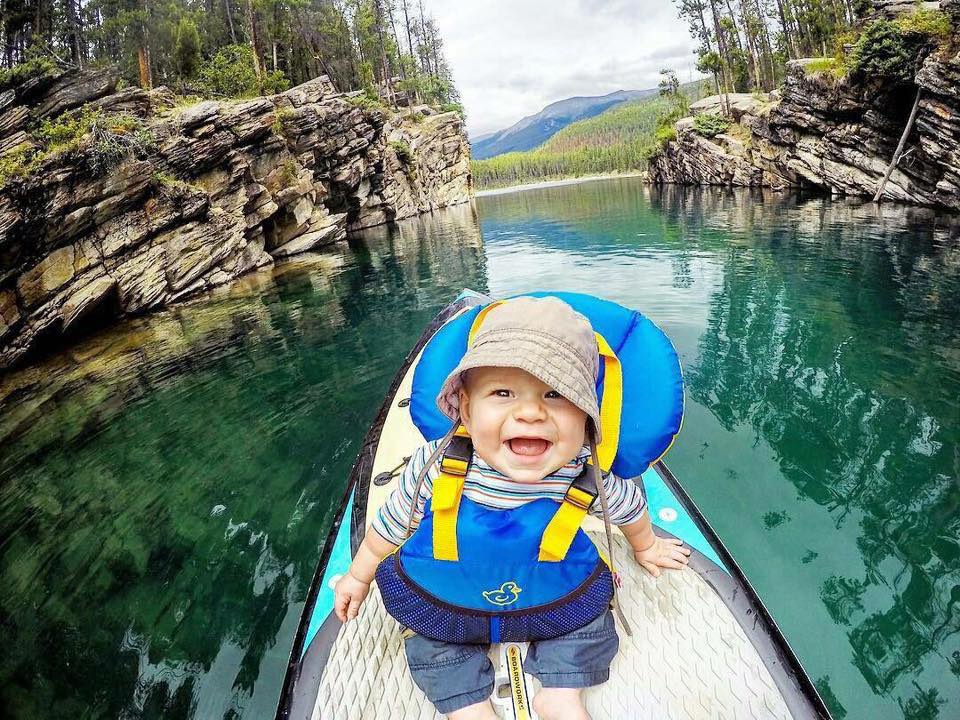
(233,32)
(724,57)
(384,64)
(406,20)
(396,40)
(425,57)
(900,146)
(703,26)
(254,45)
(787,32)
(143,52)
(751,41)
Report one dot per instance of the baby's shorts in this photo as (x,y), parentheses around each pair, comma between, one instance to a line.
(454,676)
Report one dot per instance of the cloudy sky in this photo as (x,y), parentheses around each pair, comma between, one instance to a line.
(512,57)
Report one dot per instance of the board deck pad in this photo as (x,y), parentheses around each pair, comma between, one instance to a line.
(688,659)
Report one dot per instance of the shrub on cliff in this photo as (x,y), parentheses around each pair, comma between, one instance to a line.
(882,53)
(710,125)
(230,73)
(894,50)
(101,139)
(36,66)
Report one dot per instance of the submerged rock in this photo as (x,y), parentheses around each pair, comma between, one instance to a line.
(216,190)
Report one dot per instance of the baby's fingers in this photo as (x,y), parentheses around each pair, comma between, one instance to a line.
(650,568)
(666,562)
(354,609)
(340,603)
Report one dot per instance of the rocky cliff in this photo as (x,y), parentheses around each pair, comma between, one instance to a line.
(832,134)
(153,202)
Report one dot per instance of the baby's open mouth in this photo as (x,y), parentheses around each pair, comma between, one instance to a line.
(528,446)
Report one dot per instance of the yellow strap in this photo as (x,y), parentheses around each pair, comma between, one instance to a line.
(447,490)
(563,526)
(478,320)
(560,532)
(611,404)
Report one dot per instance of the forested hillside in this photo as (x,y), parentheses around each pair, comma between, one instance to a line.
(534,130)
(390,48)
(619,140)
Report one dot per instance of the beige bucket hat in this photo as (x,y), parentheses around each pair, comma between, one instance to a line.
(544,336)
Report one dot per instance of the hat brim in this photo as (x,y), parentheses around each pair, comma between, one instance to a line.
(543,356)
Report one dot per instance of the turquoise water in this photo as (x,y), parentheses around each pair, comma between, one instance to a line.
(165,486)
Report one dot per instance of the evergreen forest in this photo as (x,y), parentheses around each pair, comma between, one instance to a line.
(391,49)
(619,140)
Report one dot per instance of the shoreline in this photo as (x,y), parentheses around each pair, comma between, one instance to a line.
(555,183)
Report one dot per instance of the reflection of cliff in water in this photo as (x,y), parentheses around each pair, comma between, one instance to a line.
(872,436)
(162,486)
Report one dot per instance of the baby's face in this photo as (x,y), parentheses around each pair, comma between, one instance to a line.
(519,425)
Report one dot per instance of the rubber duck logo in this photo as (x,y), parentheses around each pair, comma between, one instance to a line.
(506,594)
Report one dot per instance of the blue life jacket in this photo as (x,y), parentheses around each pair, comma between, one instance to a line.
(473,574)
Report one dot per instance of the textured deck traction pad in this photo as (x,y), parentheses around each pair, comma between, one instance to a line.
(688,658)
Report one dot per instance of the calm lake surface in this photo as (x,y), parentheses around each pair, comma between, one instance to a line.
(165,485)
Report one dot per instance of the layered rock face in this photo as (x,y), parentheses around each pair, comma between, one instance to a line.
(224,187)
(824,133)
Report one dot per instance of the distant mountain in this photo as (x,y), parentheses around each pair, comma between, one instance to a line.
(618,140)
(534,130)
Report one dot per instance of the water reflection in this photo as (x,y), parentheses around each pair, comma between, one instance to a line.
(164,486)
(822,426)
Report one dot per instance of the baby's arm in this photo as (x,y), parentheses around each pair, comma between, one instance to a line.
(628,510)
(352,588)
(652,551)
(388,530)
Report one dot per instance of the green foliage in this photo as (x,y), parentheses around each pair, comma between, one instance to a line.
(405,156)
(882,53)
(207,47)
(665,134)
(187,52)
(289,173)
(105,140)
(114,138)
(669,84)
(17,163)
(928,23)
(367,81)
(365,102)
(620,140)
(280,118)
(34,67)
(230,73)
(453,107)
(402,149)
(830,66)
(710,125)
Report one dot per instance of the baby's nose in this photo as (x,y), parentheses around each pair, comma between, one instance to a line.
(529,410)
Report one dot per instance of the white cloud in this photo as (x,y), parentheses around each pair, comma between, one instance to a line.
(512,57)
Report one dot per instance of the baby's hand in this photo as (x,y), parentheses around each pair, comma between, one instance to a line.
(664,553)
(348,593)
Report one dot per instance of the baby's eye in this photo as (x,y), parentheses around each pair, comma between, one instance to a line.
(553,395)
(501,392)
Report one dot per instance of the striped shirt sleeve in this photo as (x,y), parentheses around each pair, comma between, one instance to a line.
(391,519)
(624,499)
